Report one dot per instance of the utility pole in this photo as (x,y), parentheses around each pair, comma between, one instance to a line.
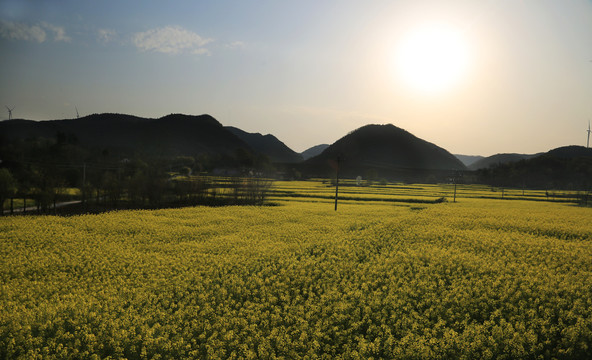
(337,182)
(454,180)
(84,185)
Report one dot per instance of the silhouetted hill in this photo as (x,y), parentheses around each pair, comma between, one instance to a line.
(313,151)
(384,150)
(570,152)
(267,145)
(170,135)
(468,159)
(568,167)
(498,159)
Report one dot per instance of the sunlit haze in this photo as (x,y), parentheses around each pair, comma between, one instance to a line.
(474,77)
(431,59)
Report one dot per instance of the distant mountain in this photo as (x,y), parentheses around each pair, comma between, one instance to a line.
(385,150)
(313,151)
(267,145)
(568,167)
(468,159)
(127,135)
(570,152)
(498,159)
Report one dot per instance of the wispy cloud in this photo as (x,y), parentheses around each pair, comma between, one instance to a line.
(106,35)
(236,45)
(19,31)
(59,33)
(171,40)
(36,33)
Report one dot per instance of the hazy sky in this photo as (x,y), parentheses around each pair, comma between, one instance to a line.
(475,77)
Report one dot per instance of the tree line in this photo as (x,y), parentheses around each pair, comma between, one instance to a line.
(43,172)
(543,172)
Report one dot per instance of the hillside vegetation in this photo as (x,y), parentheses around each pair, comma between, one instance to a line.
(568,167)
(46,155)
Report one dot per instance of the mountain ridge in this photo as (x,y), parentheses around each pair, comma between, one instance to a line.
(468,159)
(267,145)
(501,158)
(124,136)
(387,151)
(313,151)
(371,150)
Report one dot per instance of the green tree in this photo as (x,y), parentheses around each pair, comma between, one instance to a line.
(7,186)
(113,187)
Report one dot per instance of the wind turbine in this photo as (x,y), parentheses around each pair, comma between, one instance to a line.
(9,112)
(589,131)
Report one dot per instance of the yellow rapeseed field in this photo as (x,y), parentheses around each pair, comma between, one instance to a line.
(476,279)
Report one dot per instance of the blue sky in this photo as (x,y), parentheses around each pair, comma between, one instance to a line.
(308,71)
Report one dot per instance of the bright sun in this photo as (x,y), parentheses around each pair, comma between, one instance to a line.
(432,59)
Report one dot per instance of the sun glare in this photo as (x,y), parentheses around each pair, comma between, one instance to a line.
(432,59)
